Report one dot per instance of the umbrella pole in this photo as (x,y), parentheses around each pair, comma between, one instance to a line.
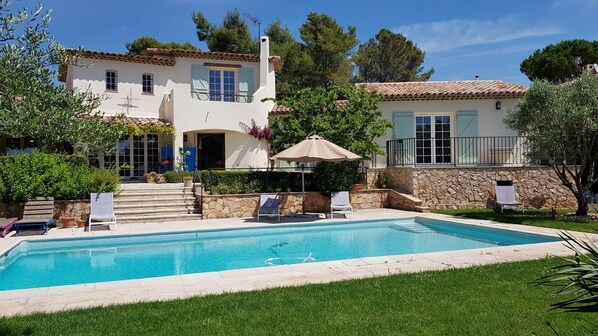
(303,188)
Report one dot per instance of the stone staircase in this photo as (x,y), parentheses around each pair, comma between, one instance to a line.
(145,202)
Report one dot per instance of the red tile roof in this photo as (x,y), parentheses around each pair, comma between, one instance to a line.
(110,56)
(279,110)
(140,121)
(223,56)
(446,90)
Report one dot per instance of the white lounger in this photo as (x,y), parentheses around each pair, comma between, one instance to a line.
(102,209)
(505,196)
(339,203)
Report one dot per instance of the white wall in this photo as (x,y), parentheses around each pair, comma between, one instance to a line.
(490,120)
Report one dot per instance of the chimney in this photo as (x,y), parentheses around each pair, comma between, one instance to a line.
(264,60)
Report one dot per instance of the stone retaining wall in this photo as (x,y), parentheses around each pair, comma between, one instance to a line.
(246,205)
(459,188)
(71,208)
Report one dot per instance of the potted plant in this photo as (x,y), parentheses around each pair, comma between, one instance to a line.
(188,181)
(358,183)
(81,223)
(149,177)
(67,221)
(158,178)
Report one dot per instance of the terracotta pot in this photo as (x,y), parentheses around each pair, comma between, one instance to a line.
(81,223)
(188,182)
(150,180)
(358,186)
(67,222)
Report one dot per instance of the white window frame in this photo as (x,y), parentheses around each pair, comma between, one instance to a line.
(222,93)
(151,76)
(115,80)
(432,116)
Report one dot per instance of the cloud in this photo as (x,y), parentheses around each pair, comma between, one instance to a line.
(448,35)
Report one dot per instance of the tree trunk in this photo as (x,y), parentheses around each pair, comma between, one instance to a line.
(582,204)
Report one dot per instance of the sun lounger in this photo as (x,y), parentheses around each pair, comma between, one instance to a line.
(505,196)
(6,225)
(38,212)
(269,207)
(102,209)
(339,203)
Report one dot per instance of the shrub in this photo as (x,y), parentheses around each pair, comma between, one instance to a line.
(37,174)
(538,202)
(577,278)
(333,176)
(381,181)
(175,176)
(252,181)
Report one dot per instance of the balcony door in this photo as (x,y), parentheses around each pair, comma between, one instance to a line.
(433,139)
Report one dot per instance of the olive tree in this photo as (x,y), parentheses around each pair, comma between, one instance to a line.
(561,125)
(30,103)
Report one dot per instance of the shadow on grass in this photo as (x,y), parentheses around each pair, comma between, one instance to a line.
(6,330)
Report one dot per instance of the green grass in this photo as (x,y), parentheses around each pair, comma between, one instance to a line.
(531,217)
(489,300)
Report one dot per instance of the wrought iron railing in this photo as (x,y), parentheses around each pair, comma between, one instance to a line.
(206,96)
(457,151)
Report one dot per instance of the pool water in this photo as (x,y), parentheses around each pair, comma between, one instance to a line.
(42,263)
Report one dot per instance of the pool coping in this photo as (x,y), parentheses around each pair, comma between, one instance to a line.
(66,297)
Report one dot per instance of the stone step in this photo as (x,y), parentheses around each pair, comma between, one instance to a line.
(422,208)
(140,202)
(154,208)
(156,211)
(154,192)
(157,218)
(150,186)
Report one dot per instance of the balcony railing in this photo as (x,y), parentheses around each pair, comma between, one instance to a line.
(457,151)
(205,96)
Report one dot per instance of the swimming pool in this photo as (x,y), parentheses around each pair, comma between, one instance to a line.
(42,263)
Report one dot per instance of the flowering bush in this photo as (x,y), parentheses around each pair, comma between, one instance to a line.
(260,133)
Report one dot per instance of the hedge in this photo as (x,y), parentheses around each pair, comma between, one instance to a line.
(37,174)
(235,181)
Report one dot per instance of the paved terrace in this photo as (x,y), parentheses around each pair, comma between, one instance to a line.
(57,298)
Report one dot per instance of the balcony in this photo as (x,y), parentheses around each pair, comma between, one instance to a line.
(204,96)
(457,151)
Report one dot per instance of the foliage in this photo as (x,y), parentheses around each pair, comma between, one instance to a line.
(329,47)
(139,46)
(390,57)
(538,202)
(561,125)
(252,181)
(353,125)
(578,277)
(488,300)
(232,36)
(333,176)
(52,175)
(30,103)
(297,65)
(381,180)
(175,176)
(259,132)
(135,129)
(558,63)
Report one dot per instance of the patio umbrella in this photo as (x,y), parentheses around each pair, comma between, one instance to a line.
(314,149)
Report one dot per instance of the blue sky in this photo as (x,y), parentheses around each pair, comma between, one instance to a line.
(461,38)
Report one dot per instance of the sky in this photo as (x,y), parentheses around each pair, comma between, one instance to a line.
(461,38)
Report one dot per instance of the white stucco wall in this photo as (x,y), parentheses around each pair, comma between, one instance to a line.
(172,100)
(490,120)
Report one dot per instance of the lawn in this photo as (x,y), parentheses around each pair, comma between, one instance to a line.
(489,300)
(531,217)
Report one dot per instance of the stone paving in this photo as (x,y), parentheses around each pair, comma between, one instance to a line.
(57,298)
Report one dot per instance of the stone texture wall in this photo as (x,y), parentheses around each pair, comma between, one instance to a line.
(71,208)
(246,205)
(402,201)
(458,188)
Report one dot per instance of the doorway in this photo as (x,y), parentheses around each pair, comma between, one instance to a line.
(433,139)
(210,151)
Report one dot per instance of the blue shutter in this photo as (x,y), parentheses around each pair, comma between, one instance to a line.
(404,129)
(467,132)
(200,82)
(245,84)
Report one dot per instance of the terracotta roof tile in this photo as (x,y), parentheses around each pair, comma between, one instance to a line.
(146,59)
(224,56)
(140,121)
(280,110)
(447,90)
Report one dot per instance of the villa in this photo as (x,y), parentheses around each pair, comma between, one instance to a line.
(210,99)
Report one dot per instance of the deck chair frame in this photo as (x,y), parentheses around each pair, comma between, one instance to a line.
(340,203)
(101,209)
(38,211)
(269,206)
(505,197)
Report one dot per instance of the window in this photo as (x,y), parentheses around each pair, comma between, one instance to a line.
(223,85)
(111,81)
(147,83)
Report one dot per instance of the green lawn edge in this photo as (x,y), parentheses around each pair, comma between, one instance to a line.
(498,299)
